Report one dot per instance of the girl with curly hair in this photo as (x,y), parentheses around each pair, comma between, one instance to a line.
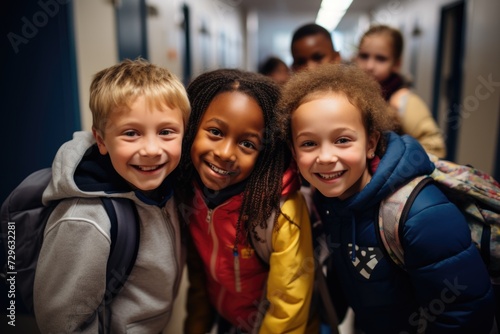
(339,132)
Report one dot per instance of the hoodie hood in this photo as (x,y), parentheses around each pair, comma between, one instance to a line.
(404,160)
(79,170)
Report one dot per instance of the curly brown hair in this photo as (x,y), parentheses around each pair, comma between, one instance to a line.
(359,88)
(262,191)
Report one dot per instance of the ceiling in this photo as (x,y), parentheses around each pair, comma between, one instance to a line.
(297,7)
(281,7)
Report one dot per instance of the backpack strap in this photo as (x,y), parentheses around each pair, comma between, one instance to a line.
(125,230)
(326,301)
(392,216)
(265,248)
(124,234)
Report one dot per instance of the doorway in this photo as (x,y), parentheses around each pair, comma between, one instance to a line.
(448,74)
(131,29)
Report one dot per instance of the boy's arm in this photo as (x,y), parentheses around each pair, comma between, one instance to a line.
(291,274)
(71,275)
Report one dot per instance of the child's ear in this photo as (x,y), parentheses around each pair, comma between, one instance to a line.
(372,144)
(100,141)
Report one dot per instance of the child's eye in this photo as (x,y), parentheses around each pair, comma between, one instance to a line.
(343,140)
(318,57)
(215,132)
(130,133)
(165,132)
(308,144)
(363,56)
(248,144)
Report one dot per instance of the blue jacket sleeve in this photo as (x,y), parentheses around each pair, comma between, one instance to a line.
(450,279)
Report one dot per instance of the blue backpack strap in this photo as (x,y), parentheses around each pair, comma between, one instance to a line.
(392,215)
(125,230)
(125,234)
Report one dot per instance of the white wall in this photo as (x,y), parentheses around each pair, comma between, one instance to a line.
(96,46)
(217,35)
(225,23)
(479,131)
(164,33)
(275,34)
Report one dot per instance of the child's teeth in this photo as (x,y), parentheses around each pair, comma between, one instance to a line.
(330,176)
(148,168)
(219,171)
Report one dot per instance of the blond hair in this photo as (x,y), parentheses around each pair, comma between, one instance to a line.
(119,85)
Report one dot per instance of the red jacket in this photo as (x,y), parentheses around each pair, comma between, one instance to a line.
(234,294)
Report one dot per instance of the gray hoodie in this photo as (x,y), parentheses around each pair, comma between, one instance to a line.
(71,270)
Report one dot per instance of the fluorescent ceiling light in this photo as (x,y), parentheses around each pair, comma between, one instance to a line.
(331,12)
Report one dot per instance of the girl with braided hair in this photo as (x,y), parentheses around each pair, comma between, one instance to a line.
(238,180)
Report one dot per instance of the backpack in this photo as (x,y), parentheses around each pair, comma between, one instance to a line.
(473,191)
(321,294)
(22,225)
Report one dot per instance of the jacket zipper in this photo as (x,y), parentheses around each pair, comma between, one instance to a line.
(213,257)
(211,232)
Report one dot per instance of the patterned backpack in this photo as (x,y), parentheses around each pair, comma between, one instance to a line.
(473,191)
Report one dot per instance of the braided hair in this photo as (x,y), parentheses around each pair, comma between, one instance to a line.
(262,191)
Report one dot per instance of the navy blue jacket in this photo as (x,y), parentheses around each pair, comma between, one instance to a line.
(446,280)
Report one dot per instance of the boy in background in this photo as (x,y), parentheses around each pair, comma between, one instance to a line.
(311,46)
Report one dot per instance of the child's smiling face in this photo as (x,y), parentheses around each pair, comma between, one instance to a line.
(229,139)
(331,146)
(144,142)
